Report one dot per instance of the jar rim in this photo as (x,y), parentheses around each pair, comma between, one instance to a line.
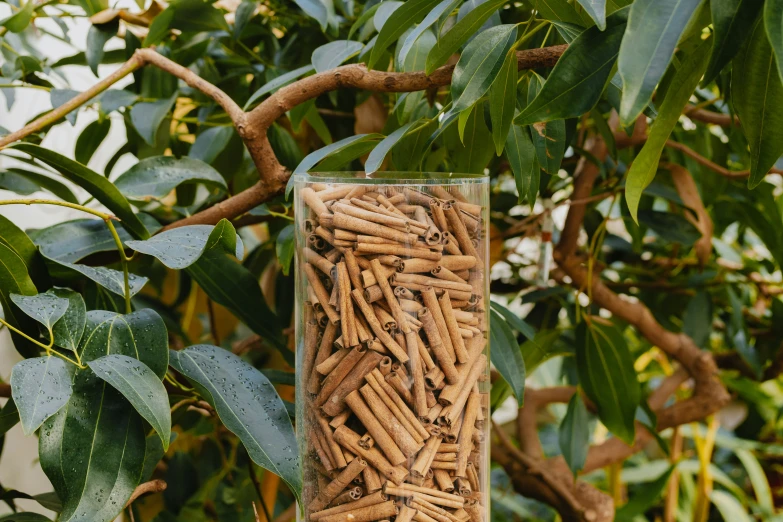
(385,177)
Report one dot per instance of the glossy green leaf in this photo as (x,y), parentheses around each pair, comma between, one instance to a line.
(697,321)
(230,284)
(522,157)
(68,330)
(90,139)
(472,153)
(479,65)
(9,416)
(597,11)
(92,450)
(97,36)
(141,335)
(758,479)
(607,375)
(156,177)
(654,28)
(140,386)
(670,227)
(541,348)
(284,247)
(515,322)
(110,279)
(729,507)
(315,9)
(757,93)
(210,143)
(20,19)
(548,138)
(280,81)
(14,278)
(40,387)
(45,308)
(114,99)
(506,355)
(644,498)
(98,186)
(72,241)
(248,405)
(378,154)
(332,54)
(148,116)
(502,101)
(25,182)
(575,84)
(197,16)
(443,8)
(180,247)
(645,165)
(411,12)
(773,22)
(732,21)
(449,43)
(560,10)
(384,12)
(574,434)
(159,28)
(59,97)
(13,237)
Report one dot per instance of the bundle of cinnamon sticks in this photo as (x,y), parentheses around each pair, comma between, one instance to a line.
(392,353)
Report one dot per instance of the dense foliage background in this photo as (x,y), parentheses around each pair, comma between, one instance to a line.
(636,232)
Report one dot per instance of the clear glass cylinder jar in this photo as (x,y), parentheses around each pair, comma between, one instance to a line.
(392,390)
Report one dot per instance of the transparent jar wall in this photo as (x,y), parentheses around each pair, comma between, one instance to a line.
(392,349)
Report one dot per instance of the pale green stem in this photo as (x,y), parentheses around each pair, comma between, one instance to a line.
(47,347)
(124,262)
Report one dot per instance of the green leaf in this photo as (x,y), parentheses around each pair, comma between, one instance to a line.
(69,329)
(280,81)
(517,323)
(13,237)
(670,227)
(114,99)
(92,450)
(758,479)
(645,165)
(90,139)
(40,387)
(248,405)
(26,182)
(159,28)
(92,7)
(196,16)
(244,14)
(143,389)
(474,152)
(18,22)
(148,116)
(71,241)
(502,101)
(729,507)
(24,517)
(409,13)
(654,28)
(479,65)
(607,375)
(180,247)
(156,177)
(697,321)
(732,22)
(560,10)
(284,247)
(97,36)
(574,434)
(210,143)
(315,157)
(506,355)
(315,9)
(45,308)
(378,154)
(443,8)
(548,138)
(644,498)
(14,278)
(230,284)
(98,186)
(597,11)
(575,84)
(330,55)
(110,279)
(9,416)
(449,43)
(60,96)
(141,335)
(757,94)
(773,22)
(522,158)
(541,348)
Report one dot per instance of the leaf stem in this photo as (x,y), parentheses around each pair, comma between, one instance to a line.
(47,347)
(102,215)
(124,261)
